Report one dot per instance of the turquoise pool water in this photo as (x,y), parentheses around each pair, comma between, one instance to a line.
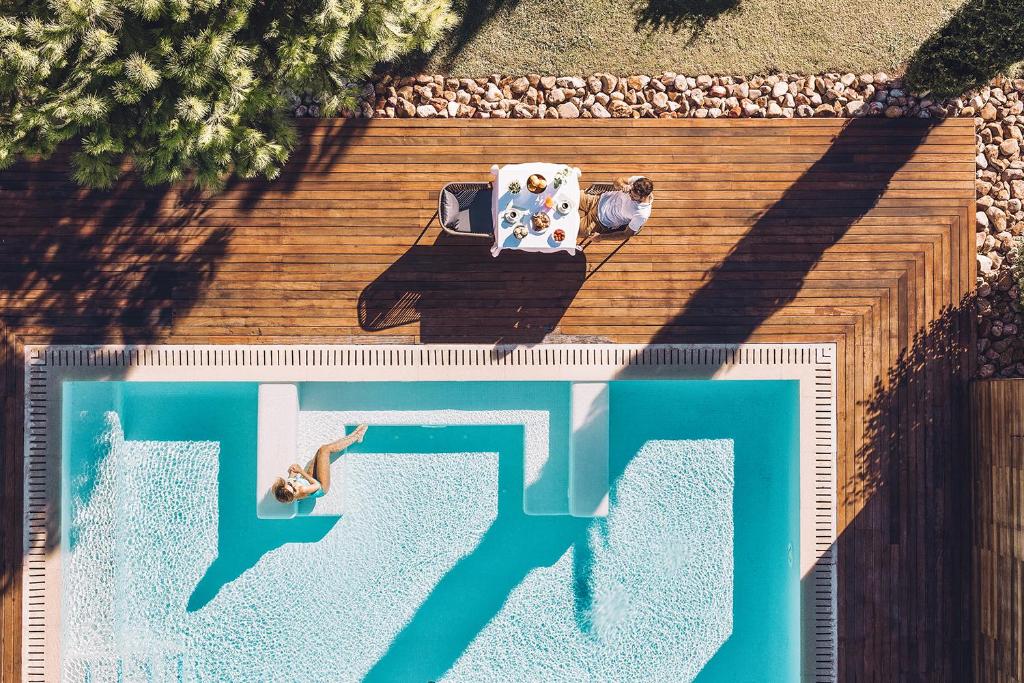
(434,571)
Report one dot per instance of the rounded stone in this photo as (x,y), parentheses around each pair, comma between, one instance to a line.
(568,110)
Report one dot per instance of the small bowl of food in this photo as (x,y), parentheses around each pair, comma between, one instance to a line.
(540,222)
(536,183)
(558,235)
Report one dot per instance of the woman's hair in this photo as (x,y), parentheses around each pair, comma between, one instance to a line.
(642,187)
(283,494)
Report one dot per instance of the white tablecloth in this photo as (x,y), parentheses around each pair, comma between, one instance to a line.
(526,204)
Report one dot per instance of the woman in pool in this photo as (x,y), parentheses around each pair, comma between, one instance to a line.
(315,480)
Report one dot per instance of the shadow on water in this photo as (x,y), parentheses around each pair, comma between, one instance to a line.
(476,589)
(981,40)
(226,415)
(681,15)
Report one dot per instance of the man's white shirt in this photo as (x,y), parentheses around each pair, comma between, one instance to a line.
(616,209)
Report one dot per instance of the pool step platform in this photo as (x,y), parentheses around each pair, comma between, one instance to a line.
(588,451)
(587,457)
(277,429)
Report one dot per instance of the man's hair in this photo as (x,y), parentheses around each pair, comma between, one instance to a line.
(642,187)
(281,493)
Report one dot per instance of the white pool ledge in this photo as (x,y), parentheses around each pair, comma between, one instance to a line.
(812,365)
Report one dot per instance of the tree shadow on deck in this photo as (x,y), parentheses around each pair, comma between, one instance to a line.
(456,291)
(813,214)
(320,148)
(981,40)
(99,266)
(912,486)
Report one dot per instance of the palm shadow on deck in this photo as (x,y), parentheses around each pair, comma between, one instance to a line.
(456,291)
(116,266)
(827,200)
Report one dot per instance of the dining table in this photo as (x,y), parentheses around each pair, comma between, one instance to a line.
(535,207)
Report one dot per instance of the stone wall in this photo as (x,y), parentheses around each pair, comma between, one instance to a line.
(998,111)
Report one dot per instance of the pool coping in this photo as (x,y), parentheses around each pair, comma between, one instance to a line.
(47,367)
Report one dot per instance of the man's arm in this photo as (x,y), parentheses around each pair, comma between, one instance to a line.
(639,218)
(621,184)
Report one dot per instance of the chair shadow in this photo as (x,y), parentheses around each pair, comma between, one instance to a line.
(982,39)
(456,291)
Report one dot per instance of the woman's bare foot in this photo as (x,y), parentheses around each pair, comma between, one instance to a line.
(359,432)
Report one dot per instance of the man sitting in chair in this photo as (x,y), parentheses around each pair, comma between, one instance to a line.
(625,207)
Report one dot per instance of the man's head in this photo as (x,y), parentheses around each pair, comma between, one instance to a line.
(641,189)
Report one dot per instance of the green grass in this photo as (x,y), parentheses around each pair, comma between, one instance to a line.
(740,37)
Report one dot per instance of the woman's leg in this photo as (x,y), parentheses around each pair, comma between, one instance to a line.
(320,465)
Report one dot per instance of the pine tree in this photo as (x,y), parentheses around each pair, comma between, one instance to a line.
(187,89)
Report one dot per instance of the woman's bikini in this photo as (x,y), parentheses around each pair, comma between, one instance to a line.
(299,480)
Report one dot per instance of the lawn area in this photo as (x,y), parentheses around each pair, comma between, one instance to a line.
(739,37)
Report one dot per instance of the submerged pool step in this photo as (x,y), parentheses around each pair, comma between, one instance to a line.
(586,459)
(589,447)
(168,667)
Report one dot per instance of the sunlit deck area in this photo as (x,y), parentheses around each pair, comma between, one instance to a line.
(854,232)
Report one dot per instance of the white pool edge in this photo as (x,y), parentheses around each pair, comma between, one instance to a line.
(47,367)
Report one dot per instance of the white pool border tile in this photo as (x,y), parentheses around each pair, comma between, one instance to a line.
(47,367)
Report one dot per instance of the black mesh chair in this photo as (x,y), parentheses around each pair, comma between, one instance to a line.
(464,209)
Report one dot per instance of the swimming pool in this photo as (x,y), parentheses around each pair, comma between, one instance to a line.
(450,558)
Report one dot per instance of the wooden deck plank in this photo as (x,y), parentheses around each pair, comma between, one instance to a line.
(853,232)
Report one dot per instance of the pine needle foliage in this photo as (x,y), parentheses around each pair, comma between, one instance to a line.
(188,89)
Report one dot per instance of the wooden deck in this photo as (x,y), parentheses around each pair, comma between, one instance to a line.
(854,232)
(997,584)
